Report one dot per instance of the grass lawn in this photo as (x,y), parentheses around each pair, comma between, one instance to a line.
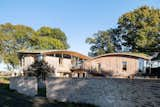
(10,98)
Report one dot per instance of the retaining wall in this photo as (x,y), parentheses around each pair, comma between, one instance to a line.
(105,92)
(24,85)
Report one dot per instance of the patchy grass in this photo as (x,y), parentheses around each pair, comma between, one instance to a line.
(9,98)
(4,80)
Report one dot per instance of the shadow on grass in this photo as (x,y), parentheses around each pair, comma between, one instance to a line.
(10,98)
(4,86)
(42,92)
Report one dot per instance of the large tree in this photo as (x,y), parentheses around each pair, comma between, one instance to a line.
(140,29)
(50,38)
(13,38)
(20,37)
(103,42)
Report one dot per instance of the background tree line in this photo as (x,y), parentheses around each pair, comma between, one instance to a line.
(136,31)
(21,37)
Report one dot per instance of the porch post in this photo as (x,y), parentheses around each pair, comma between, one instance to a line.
(150,67)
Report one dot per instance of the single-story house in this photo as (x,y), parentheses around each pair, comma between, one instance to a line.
(66,63)
(125,65)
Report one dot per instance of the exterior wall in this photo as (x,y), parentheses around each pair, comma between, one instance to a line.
(113,65)
(27,86)
(59,68)
(105,92)
(28,60)
(52,61)
(155,64)
(62,69)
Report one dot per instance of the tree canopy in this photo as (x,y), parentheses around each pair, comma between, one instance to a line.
(103,42)
(21,37)
(136,31)
(140,29)
(54,37)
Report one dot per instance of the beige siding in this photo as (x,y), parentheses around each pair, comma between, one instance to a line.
(28,60)
(61,60)
(113,65)
(52,61)
(59,68)
(67,63)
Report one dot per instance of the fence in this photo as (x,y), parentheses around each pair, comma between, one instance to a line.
(98,91)
(24,85)
(105,92)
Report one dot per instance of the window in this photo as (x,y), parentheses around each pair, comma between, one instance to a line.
(78,75)
(73,61)
(60,60)
(66,56)
(99,67)
(124,66)
(84,75)
(141,65)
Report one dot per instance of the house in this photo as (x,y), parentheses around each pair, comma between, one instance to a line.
(155,65)
(155,61)
(73,64)
(121,65)
(66,63)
